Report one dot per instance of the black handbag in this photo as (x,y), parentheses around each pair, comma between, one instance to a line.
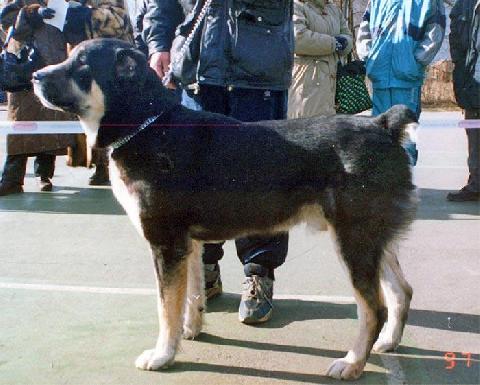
(185,51)
(16,69)
(351,96)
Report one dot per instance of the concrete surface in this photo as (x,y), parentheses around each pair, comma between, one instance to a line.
(77,303)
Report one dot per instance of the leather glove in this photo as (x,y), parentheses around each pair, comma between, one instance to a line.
(46,13)
(340,43)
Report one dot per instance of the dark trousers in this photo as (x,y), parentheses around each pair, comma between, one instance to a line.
(16,165)
(247,105)
(473,137)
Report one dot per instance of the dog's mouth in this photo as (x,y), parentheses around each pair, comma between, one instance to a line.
(38,90)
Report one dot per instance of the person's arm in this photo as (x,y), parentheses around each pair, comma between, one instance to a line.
(345,33)
(458,46)
(25,18)
(308,42)
(9,14)
(159,24)
(364,36)
(138,28)
(433,35)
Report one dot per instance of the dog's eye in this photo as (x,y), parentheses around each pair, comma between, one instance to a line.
(82,59)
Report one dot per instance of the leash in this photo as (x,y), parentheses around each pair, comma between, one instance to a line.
(168,77)
(121,142)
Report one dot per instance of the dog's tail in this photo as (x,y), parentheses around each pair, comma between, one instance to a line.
(401,122)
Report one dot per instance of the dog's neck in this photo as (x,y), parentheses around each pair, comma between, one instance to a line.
(117,123)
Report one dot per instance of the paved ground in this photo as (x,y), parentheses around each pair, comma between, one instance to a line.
(76,284)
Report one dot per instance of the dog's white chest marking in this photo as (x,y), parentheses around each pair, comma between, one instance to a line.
(90,122)
(127,199)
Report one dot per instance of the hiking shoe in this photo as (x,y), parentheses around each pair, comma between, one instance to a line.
(8,188)
(256,304)
(213,280)
(464,195)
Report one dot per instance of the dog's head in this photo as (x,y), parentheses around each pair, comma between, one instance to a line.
(99,76)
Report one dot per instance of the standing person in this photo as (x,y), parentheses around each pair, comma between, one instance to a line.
(465,52)
(398,39)
(27,17)
(244,71)
(321,37)
(97,19)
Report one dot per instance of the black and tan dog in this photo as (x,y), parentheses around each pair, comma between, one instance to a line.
(188,177)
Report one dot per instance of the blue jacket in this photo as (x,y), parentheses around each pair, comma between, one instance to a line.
(398,39)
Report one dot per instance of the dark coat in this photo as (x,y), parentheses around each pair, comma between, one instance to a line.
(464,48)
(24,105)
(244,43)
(155,24)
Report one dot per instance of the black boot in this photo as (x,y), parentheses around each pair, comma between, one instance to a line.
(8,188)
(99,177)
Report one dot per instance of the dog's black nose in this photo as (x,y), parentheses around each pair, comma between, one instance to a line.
(38,75)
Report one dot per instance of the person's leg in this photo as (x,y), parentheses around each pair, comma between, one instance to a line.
(473,137)
(44,167)
(471,191)
(100,177)
(13,174)
(381,100)
(259,255)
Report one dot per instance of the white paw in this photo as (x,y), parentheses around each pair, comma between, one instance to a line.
(341,369)
(384,344)
(152,360)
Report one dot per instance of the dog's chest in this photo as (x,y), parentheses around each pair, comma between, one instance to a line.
(126,197)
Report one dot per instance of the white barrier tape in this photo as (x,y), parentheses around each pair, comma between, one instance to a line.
(36,127)
(469,123)
(73,127)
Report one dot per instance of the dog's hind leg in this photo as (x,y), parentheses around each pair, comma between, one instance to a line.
(171,270)
(397,294)
(195,303)
(362,258)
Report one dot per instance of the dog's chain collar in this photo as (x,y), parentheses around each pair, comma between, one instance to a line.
(121,142)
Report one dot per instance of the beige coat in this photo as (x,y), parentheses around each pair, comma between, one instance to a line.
(316,24)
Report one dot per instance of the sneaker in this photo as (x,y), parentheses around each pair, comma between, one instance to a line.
(45,184)
(8,188)
(256,305)
(213,280)
(464,195)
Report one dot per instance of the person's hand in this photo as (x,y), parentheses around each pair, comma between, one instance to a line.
(341,43)
(46,13)
(159,62)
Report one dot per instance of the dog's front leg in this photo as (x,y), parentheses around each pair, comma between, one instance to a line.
(195,304)
(171,271)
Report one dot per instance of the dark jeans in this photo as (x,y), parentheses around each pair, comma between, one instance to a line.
(473,137)
(16,165)
(248,105)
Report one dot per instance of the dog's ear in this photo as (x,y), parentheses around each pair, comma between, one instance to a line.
(130,65)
